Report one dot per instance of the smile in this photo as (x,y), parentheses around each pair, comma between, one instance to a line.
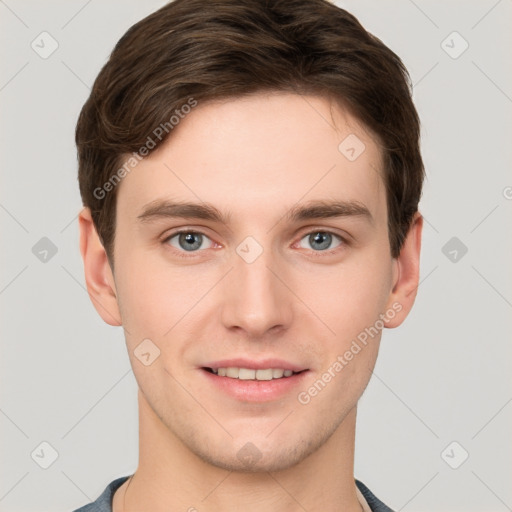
(252,374)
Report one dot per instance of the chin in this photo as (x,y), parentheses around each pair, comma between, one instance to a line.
(261,453)
(249,459)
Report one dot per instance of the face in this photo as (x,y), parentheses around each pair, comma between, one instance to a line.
(280,267)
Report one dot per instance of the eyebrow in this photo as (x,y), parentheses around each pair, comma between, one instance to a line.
(312,210)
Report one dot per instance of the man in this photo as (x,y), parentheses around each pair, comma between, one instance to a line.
(250,172)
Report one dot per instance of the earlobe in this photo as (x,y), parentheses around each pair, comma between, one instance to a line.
(403,294)
(98,274)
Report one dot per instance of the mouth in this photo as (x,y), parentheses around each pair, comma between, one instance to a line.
(262,374)
(251,381)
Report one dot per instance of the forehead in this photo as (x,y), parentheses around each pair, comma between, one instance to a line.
(258,154)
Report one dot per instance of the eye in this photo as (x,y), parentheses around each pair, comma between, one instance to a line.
(189,241)
(321,240)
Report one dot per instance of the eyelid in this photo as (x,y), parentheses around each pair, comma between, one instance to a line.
(187,231)
(345,237)
(309,230)
(344,241)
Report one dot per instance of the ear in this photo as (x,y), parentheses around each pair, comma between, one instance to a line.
(406,275)
(98,274)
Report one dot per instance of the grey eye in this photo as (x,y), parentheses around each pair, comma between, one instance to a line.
(188,241)
(320,240)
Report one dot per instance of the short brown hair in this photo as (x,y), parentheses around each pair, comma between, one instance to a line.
(215,49)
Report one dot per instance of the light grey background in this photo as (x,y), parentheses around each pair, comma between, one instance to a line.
(443,376)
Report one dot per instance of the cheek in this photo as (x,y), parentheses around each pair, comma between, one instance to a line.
(350,296)
(157,300)
(146,300)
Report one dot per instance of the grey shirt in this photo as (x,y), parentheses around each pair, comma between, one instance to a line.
(104,502)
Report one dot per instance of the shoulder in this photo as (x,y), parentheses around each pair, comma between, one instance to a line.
(104,501)
(374,503)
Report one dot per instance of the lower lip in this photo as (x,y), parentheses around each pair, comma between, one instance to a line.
(256,390)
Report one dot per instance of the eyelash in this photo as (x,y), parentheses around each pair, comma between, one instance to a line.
(182,254)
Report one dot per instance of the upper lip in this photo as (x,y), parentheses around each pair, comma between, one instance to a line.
(253,364)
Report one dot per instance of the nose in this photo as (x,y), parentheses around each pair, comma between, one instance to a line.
(256,298)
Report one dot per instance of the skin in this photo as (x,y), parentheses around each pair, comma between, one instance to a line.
(255,157)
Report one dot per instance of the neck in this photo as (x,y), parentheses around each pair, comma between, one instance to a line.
(170,477)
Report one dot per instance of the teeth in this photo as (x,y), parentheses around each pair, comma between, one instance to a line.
(232,372)
(277,374)
(264,374)
(251,374)
(246,374)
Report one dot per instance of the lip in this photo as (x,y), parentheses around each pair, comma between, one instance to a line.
(255,390)
(252,364)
